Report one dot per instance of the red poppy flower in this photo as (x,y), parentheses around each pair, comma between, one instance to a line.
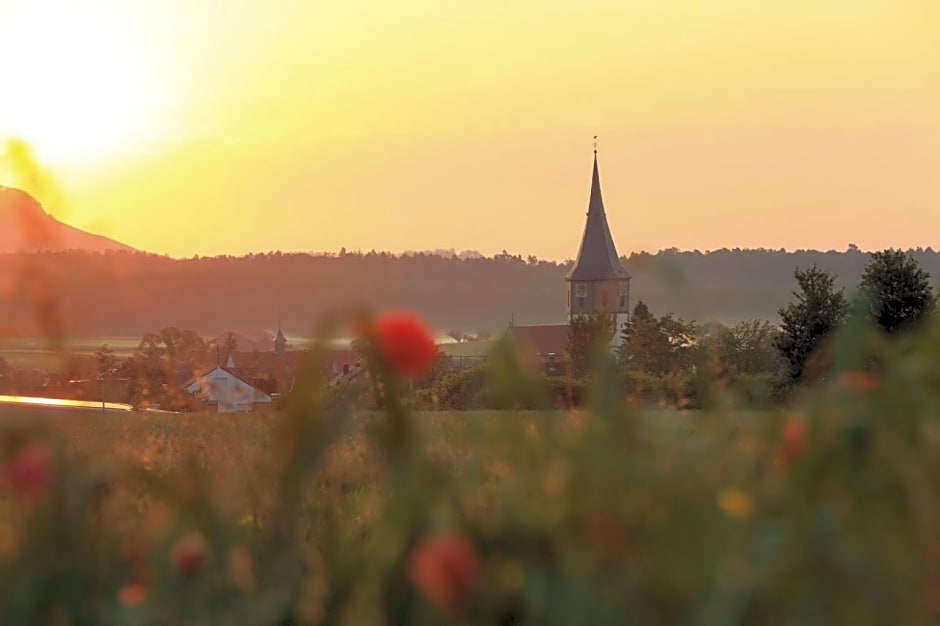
(445,568)
(858,380)
(29,472)
(792,442)
(189,553)
(132,595)
(404,343)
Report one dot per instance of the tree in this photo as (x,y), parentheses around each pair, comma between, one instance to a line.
(228,347)
(588,337)
(656,346)
(171,355)
(107,361)
(641,348)
(897,290)
(747,348)
(818,310)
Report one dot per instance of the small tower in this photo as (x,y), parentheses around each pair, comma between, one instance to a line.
(280,341)
(598,282)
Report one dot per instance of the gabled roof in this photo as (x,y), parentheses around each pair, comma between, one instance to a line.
(597,256)
(215,394)
(238,375)
(543,339)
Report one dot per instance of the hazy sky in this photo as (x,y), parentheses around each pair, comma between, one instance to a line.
(203,127)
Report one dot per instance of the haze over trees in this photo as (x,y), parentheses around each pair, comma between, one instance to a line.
(128,294)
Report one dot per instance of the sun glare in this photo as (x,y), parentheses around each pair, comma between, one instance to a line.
(75,86)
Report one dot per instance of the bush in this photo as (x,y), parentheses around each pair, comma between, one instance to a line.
(566,392)
(462,389)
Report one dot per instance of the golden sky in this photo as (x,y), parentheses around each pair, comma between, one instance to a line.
(206,127)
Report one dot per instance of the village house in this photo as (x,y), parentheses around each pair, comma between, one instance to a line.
(252,379)
(222,389)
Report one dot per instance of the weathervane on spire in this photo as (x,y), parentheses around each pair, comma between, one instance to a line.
(595,144)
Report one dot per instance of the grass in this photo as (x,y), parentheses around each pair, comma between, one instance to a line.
(822,511)
(39,353)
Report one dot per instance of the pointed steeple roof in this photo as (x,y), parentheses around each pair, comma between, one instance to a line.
(597,256)
(280,341)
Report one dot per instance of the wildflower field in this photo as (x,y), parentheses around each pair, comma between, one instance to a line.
(347,507)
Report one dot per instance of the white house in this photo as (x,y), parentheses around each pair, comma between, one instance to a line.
(227,391)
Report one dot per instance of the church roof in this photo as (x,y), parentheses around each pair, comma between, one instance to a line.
(543,339)
(597,256)
(280,338)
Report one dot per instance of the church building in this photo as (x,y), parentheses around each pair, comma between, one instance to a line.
(597,283)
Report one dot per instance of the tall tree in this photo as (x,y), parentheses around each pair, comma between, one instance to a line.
(897,289)
(107,361)
(172,354)
(747,348)
(588,337)
(817,311)
(229,346)
(656,346)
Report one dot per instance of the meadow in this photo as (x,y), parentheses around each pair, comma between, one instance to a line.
(40,353)
(347,507)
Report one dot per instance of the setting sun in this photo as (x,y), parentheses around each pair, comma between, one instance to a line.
(295,123)
(77,88)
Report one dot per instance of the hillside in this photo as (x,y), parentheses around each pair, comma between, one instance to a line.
(26,227)
(121,293)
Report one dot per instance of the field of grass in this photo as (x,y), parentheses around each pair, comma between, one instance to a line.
(40,353)
(824,510)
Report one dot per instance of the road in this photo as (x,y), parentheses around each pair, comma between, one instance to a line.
(61,403)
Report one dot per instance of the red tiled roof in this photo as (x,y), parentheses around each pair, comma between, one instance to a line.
(544,339)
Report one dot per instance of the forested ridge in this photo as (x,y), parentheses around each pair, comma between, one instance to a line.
(121,293)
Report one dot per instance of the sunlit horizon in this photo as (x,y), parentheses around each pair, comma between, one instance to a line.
(309,127)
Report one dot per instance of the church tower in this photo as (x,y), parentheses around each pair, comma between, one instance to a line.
(280,341)
(598,282)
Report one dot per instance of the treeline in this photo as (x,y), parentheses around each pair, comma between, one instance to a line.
(129,293)
(668,360)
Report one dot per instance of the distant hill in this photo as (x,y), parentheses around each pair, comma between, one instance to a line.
(121,293)
(26,227)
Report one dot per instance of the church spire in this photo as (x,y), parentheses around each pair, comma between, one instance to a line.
(280,341)
(597,256)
